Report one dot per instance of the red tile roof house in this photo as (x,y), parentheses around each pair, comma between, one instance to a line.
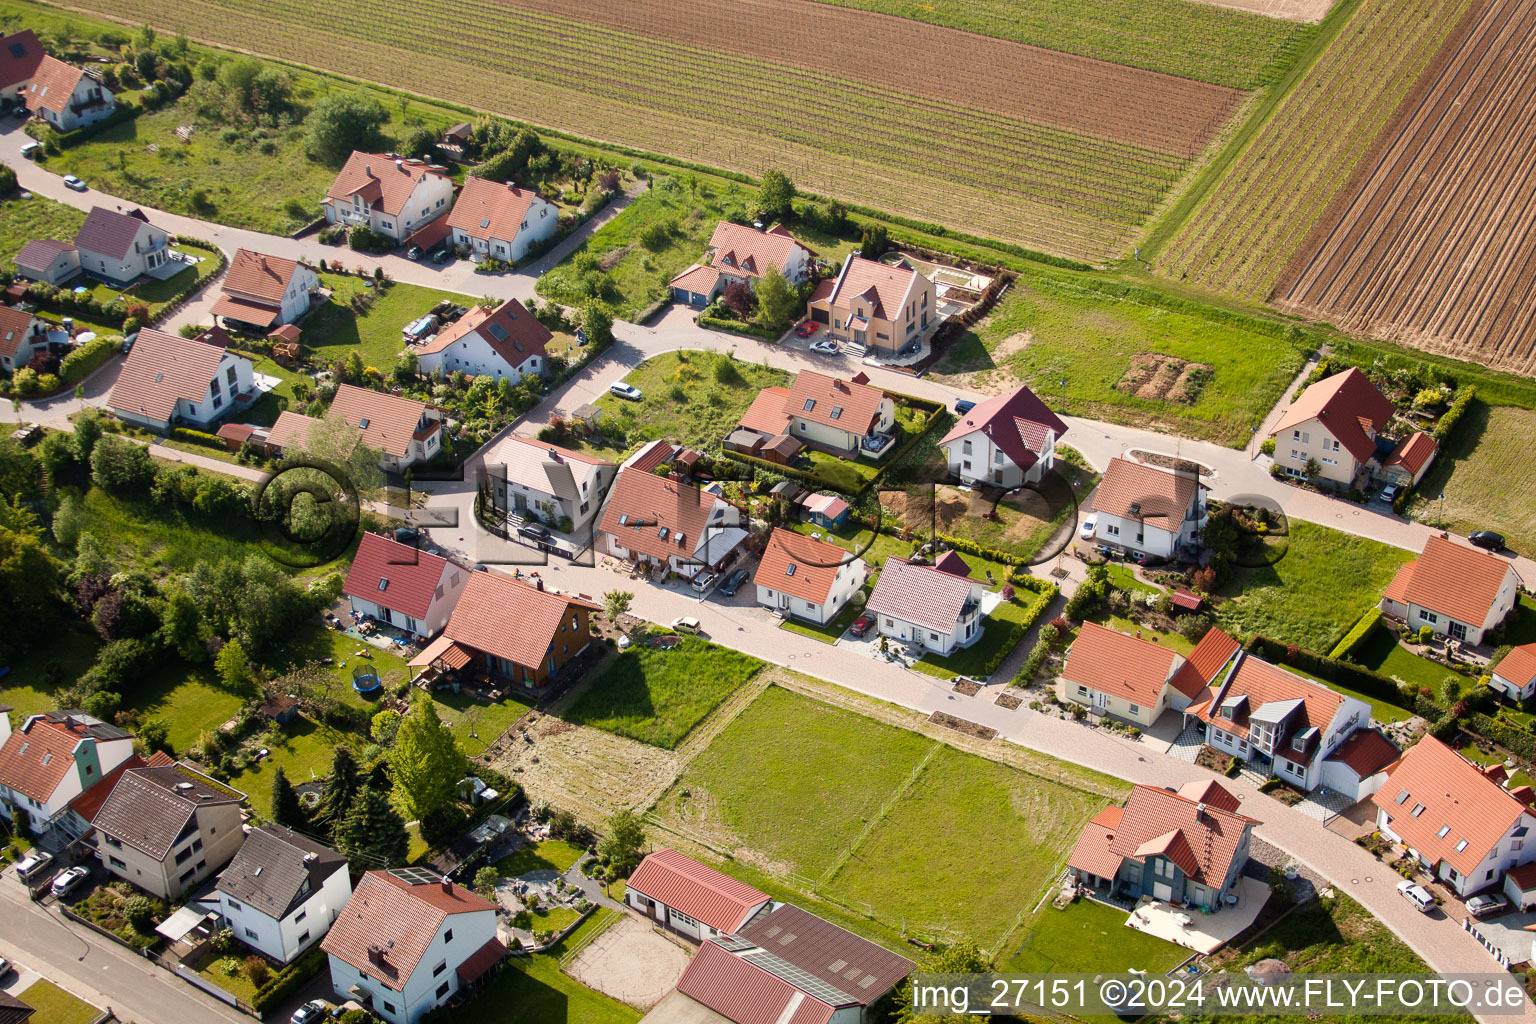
(1515,674)
(1461,825)
(48,260)
(169,381)
(790,966)
(1007,441)
(805,578)
(404,586)
(22,335)
(663,521)
(120,248)
(67,97)
(387,195)
(21,54)
(1335,421)
(167,828)
(1172,846)
(691,899)
(1454,589)
(52,759)
(929,607)
(1276,721)
(840,417)
(488,341)
(1410,460)
(404,431)
(408,940)
(1147,510)
(763,430)
(501,221)
(739,252)
(1119,675)
(887,310)
(506,630)
(544,482)
(261,292)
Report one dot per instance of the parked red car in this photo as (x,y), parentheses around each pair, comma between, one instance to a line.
(806,329)
(861,625)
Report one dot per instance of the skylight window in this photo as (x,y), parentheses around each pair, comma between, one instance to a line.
(837,411)
(1461,846)
(810,403)
(497,331)
(662,533)
(485,223)
(791,570)
(624,521)
(48,757)
(362,424)
(383,583)
(1418,809)
(1445,830)
(1401,797)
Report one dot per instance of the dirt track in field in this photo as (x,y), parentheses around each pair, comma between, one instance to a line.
(1308,11)
(1160,112)
(1435,245)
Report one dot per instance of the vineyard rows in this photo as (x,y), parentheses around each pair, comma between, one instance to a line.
(1247,228)
(923,157)
(1435,249)
(1175,37)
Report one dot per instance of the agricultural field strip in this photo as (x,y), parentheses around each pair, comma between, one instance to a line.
(1434,250)
(774,140)
(1177,37)
(1242,235)
(1159,112)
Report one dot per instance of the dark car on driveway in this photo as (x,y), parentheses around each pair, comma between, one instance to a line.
(733,582)
(534,531)
(1487,539)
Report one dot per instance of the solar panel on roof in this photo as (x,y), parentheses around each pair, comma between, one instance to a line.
(497,331)
(805,982)
(415,876)
(18,50)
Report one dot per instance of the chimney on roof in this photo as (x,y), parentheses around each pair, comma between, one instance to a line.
(1444,535)
(400,164)
(1200,812)
(554,455)
(376,955)
(447,885)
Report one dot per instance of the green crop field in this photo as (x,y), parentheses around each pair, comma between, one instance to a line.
(1473,473)
(22,220)
(1256,205)
(1052,327)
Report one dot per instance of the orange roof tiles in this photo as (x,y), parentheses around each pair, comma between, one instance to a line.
(259,277)
(1211,837)
(395,575)
(20,56)
(162,369)
(387,422)
(745,993)
(380,180)
(385,908)
(15,328)
(291,430)
(1453,579)
(1199,670)
(1518,666)
(1366,752)
(1413,452)
(511,331)
(510,619)
(921,594)
(1122,666)
(1432,787)
(698,890)
(1263,683)
(1092,853)
(674,517)
(696,278)
(884,287)
(766,413)
(490,209)
(53,83)
(745,251)
(1211,793)
(1346,404)
(1163,495)
(800,566)
(834,403)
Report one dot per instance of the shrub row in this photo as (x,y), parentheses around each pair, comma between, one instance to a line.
(1049,634)
(1516,741)
(1332,670)
(198,437)
(1453,414)
(85,360)
(124,113)
(287,981)
(737,327)
(1356,636)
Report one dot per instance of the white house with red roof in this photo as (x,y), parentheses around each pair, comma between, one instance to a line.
(531,479)
(664,521)
(691,899)
(843,417)
(120,248)
(65,96)
(488,341)
(1146,509)
(402,585)
(407,940)
(21,54)
(1172,846)
(261,292)
(404,431)
(1515,674)
(501,221)
(54,757)
(1116,674)
(169,380)
(934,608)
(1006,441)
(885,308)
(1454,589)
(1358,766)
(387,195)
(739,252)
(22,335)
(1464,827)
(1335,422)
(1275,720)
(806,578)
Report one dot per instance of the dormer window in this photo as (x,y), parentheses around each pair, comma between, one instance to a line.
(1298,743)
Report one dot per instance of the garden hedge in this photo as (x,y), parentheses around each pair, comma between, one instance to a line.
(1516,741)
(1357,635)
(1452,416)
(198,437)
(1049,634)
(736,327)
(86,359)
(289,980)
(1332,670)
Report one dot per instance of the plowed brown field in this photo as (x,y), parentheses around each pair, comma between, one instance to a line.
(1435,247)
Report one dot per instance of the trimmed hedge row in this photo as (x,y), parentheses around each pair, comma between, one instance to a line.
(1452,416)
(288,980)
(1049,634)
(198,437)
(736,327)
(1362,628)
(87,359)
(1332,670)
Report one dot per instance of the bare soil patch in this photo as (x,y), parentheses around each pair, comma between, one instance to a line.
(1157,377)
(968,687)
(630,962)
(1308,12)
(1011,345)
(960,725)
(1009,701)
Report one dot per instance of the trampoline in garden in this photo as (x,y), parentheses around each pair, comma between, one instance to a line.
(365,679)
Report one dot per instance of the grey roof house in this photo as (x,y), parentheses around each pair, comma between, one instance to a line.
(282,891)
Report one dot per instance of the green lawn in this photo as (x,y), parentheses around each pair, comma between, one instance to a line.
(228,973)
(474,724)
(304,756)
(1520,627)
(1382,653)
(1089,937)
(830,632)
(1124,579)
(532,990)
(637,275)
(51,664)
(1173,641)
(972,660)
(1051,328)
(693,397)
(1313,594)
(550,855)
(23,220)
(873,547)
(55,1006)
(656,695)
(190,699)
(1472,472)
(335,330)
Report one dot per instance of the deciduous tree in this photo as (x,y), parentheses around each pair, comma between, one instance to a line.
(777,302)
(625,841)
(775,196)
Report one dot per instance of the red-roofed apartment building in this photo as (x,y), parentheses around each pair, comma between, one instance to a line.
(169,380)
(1148,510)
(1454,589)
(488,341)
(262,292)
(1460,824)
(738,252)
(806,578)
(387,195)
(53,758)
(67,97)
(884,308)
(403,585)
(1171,846)
(1335,422)
(689,898)
(506,630)
(407,940)
(501,221)
(1007,441)
(1515,675)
